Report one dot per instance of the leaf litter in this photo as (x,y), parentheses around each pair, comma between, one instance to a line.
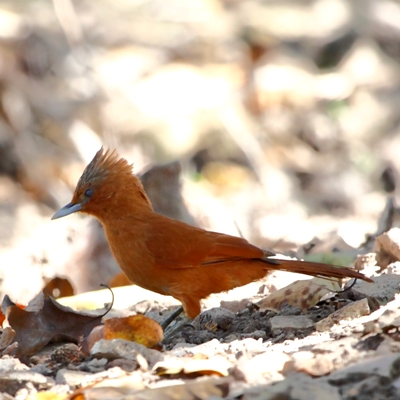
(237,348)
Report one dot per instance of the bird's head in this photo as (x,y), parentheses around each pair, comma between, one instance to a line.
(106,181)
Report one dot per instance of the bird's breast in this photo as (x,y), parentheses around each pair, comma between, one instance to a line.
(135,260)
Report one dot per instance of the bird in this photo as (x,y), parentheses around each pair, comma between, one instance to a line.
(168,256)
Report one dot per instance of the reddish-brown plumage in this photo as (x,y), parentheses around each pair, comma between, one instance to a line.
(168,256)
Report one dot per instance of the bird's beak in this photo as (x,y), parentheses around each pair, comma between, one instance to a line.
(68,209)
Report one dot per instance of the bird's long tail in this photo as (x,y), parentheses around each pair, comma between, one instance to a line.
(315,269)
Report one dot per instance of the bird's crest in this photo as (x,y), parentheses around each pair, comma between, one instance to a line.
(106,162)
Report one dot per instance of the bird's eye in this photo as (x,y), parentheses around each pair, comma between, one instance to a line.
(89,192)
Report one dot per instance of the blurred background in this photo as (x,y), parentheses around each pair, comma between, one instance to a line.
(284,117)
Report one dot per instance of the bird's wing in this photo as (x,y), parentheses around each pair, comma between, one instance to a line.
(178,245)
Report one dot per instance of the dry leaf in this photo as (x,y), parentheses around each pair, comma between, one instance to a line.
(136,328)
(253,369)
(47,396)
(58,287)
(36,326)
(301,294)
(217,365)
(204,389)
(7,337)
(94,336)
(348,312)
(311,364)
(2,316)
(387,247)
(125,296)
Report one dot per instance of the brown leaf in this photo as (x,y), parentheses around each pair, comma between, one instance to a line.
(38,325)
(301,294)
(58,287)
(3,317)
(136,328)
(7,337)
(94,336)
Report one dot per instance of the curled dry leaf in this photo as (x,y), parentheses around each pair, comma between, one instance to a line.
(301,294)
(45,320)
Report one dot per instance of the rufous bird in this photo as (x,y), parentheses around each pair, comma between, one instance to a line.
(168,256)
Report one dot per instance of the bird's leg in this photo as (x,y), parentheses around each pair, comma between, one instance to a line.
(172,331)
(171,317)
